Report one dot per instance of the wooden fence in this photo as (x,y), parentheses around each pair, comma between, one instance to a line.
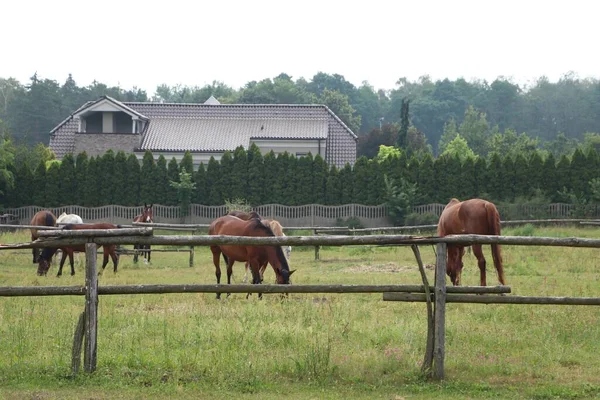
(301,216)
(435,296)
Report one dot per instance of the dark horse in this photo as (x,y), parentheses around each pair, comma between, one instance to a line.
(145,217)
(41,218)
(477,217)
(255,255)
(108,249)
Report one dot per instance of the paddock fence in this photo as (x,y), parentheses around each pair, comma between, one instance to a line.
(309,215)
(436,297)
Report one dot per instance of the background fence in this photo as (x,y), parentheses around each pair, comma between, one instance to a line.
(309,215)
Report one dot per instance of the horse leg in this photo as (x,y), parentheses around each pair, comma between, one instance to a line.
(478,252)
(72,263)
(229,272)
(246,267)
(62,262)
(149,253)
(256,278)
(216,252)
(114,257)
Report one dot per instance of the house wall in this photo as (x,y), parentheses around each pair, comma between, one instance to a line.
(97,144)
(294,147)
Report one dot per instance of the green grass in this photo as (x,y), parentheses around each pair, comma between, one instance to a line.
(322,346)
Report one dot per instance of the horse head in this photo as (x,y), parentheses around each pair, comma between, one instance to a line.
(454,264)
(147,215)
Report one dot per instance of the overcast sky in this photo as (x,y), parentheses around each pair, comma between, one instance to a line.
(147,43)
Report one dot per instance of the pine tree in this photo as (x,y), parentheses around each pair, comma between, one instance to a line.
(333,191)
(147,184)
(256,177)
(200,195)
(172,176)
(162,189)
(81,172)
(106,175)
(347,185)
(133,176)
(304,180)
(494,178)
(361,175)
(120,178)
(425,180)
(549,179)
(187,163)
(24,184)
(67,182)
(53,186)
(319,180)
(535,170)
(402,141)
(213,183)
(522,184)
(238,188)
(91,197)
(39,185)
(272,180)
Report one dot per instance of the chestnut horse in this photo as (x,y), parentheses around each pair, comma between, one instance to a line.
(41,218)
(146,217)
(108,249)
(477,217)
(275,227)
(255,255)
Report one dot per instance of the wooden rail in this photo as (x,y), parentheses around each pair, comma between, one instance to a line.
(438,296)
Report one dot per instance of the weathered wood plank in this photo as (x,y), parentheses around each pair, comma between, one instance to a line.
(439,344)
(476,299)
(428,359)
(15,291)
(97,232)
(91,309)
(77,343)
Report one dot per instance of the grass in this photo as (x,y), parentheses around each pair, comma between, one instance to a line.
(325,346)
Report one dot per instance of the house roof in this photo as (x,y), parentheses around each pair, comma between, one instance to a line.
(214,127)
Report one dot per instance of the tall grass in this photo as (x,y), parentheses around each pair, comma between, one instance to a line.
(313,345)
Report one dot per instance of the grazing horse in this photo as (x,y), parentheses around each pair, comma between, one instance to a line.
(278,231)
(64,219)
(255,255)
(474,216)
(145,217)
(41,218)
(108,249)
(271,223)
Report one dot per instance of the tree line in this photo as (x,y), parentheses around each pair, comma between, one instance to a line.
(393,177)
(554,116)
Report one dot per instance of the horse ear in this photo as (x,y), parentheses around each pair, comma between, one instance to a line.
(291,272)
(151,205)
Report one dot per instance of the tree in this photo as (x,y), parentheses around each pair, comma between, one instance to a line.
(147,185)
(338,104)
(399,199)
(7,157)
(404,124)
(475,130)
(133,175)
(173,175)
(184,188)
(458,147)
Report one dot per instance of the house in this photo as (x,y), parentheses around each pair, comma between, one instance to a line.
(206,130)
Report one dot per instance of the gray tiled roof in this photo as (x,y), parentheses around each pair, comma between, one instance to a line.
(219,127)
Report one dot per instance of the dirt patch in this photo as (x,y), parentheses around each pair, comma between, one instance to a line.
(390,267)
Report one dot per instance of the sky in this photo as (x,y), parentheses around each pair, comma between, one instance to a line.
(192,43)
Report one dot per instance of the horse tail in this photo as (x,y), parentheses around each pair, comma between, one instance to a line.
(50,220)
(494,226)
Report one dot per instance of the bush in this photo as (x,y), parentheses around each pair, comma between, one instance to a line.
(415,219)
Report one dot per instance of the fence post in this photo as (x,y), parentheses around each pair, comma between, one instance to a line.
(439,346)
(91,308)
(192,252)
(317,246)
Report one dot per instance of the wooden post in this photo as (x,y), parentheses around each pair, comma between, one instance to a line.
(428,359)
(91,308)
(77,342)
(439,348)
(316,247)
(192,252)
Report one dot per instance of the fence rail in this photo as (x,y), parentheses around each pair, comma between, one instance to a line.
(299,216)
(436,296)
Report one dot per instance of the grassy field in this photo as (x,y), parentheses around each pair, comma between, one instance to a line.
(310,346)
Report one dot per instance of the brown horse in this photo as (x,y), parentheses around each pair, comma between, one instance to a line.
(41,218)
(278,231)
(255,255)
(147,217)
(474,216)
(108,249)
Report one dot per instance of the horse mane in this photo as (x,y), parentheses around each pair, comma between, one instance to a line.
(275,227)
(256,223)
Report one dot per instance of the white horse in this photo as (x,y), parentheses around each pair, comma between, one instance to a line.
(63,220)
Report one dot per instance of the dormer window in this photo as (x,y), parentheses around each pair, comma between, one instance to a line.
(109,116)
